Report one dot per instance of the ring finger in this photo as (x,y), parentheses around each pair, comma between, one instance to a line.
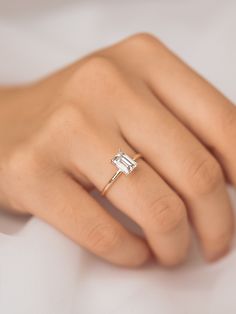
(143,195)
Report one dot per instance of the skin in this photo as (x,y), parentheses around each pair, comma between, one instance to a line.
(58,135)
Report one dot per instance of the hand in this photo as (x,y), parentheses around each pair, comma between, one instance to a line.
(57,138)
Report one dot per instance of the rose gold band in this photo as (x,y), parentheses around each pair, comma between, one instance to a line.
(116,175)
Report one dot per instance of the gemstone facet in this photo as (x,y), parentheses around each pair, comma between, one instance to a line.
(124,163)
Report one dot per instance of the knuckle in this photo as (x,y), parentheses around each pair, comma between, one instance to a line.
(68,113)
(66,121)
(166,213)
(103,238)
(204,175)
(98,72)
(144,39)
(97,67)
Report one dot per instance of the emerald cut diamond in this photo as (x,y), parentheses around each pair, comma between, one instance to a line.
(124,163)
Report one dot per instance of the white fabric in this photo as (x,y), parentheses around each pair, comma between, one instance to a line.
(41,271)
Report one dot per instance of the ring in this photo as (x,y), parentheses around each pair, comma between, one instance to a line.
(124,164)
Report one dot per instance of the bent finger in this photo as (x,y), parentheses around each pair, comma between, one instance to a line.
(68,207)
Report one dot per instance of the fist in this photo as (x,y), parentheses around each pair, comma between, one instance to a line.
(59,135)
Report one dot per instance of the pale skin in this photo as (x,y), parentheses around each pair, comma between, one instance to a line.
(57,137)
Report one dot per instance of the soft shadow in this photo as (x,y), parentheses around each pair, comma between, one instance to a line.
(11,223)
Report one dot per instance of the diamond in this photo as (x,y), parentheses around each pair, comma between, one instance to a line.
(124,163)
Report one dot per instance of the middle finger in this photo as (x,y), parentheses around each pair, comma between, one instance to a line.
(186,165)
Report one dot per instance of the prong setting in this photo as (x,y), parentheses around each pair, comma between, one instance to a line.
(124,163)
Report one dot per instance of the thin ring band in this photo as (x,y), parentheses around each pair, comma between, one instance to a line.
(116,176)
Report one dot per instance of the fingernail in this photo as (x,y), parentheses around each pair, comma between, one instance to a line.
(216,255)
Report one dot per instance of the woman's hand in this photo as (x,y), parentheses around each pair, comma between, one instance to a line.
(57,137)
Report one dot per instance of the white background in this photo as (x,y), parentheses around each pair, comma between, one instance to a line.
(42,272)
